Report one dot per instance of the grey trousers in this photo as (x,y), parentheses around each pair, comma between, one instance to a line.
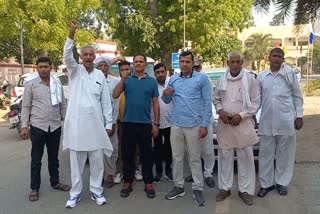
(183,139)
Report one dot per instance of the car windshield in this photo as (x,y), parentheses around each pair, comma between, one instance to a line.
(21,82)
(149,69)
(63,79)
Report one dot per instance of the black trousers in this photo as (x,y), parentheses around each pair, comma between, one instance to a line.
(162,151)
(134,134)
(39,139)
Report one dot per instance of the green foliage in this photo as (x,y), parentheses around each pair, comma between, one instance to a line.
(316,56)
(302,10)
(155,27)
(45,23)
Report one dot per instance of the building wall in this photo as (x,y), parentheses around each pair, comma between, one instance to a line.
(294,45)
(13,71)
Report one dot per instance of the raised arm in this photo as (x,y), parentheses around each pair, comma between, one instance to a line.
(67,52)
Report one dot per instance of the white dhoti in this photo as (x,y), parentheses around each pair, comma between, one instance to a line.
(246,169)
(110,162)
(282,149)
(77,164)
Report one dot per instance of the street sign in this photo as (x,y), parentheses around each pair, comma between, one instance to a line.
(175,60)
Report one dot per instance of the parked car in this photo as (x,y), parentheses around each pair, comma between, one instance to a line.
(19,88)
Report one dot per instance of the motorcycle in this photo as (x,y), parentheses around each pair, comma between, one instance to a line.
(15,114)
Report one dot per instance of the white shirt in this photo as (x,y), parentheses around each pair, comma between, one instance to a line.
(165,109)
(112,83)
(281,103)
(89,111)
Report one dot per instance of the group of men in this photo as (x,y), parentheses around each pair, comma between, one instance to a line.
(174,115)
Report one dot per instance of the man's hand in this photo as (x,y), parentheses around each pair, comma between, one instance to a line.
(73,24)
(124,75)
(223,116)
(168,91)
(298,123)
(203,132)
(24,133)
(155,131)
(109,132)
(235,120)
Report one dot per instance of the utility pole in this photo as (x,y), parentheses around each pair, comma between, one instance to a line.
(21,46)
(184,25)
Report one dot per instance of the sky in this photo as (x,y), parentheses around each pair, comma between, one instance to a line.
(261,19)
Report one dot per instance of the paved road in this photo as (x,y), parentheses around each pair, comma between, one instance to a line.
(304,193)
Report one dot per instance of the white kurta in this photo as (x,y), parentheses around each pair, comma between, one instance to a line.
(280,104)
(89,111)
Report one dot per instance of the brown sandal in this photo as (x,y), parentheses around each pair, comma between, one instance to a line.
(62,187)
(33,196)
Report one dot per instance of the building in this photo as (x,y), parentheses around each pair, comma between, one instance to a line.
(106,48)
(294,45)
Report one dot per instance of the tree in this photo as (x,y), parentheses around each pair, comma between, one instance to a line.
(303,10)
(258,47)
(155,27)
(316,56)
(45,23)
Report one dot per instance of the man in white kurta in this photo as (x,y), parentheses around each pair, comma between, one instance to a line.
(281,116)
(88,118)
(237,99)
(104,63)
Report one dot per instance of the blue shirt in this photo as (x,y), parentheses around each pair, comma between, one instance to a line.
(138,95)
(191,100)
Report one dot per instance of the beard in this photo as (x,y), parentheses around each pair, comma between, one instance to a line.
(161,80)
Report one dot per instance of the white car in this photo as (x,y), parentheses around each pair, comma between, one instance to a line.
(19,88)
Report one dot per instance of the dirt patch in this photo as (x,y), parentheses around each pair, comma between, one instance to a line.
(311,105)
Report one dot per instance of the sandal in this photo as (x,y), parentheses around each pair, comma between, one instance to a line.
(62,187)
(33,196)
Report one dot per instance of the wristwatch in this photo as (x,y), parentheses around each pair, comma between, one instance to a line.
(156,124)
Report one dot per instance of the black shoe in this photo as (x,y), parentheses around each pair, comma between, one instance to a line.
(188,179)
(210,182)
(264,191)
(175,192)
(222,195)
(169,176)
(157,178)
(126,189)
(150,191)
(198,198)
(282,190)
